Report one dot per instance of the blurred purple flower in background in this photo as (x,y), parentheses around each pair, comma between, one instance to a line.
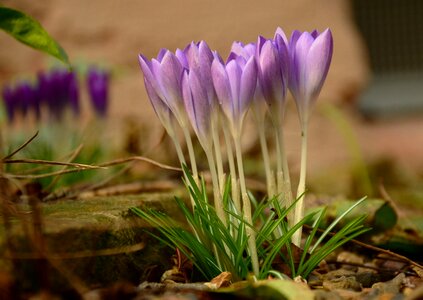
(55,91)
(98,89)
(23,98)
(58,90)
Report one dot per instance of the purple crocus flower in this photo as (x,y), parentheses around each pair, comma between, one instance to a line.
(199,58)
(310,56)
(98,89)
(235,83)
(164,77)
(273,64)
(160,108)
(247,51)
(197,105)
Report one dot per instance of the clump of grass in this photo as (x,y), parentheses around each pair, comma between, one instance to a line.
(214,246)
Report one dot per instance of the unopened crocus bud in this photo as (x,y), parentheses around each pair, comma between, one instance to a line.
(235,83)
(199,58)
(273,64)
(164,75)
(246,51)
(98,89)
(310,57)
(197,106)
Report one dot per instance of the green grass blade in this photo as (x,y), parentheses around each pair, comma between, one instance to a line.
(334,223)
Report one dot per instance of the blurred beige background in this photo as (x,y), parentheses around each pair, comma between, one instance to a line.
(113,32)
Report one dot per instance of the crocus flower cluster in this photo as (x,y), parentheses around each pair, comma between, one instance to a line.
(196,87)
(56,91)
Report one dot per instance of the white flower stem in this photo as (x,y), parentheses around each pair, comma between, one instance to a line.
(181,158)
(246,205)
(218,204)
(218,154)
(286,178)
(266,160)
(178,148)
(232,170)
(299,207)
(279,154)
(191,153)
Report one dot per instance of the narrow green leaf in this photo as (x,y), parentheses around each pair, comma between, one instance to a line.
(336,221)
(30,32)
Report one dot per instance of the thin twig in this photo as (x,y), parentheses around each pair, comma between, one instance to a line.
(21,147)
(71,158)
(104,165)
(45,175)
(140,158)
(50,162)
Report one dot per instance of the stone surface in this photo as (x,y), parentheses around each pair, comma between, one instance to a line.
(97,240)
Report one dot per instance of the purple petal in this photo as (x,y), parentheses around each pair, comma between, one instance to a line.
(302,48)
(270,74)
(279,32)
(222,87)
(189,101)
(204,70)
(318,61)
(232,56)
(294,38)
(182,58)
(282,47)
(234,75)
(169,74)
(260,42)
(217,57)
(161,54)
(147,69)
(201,106)
(192,53)
(314,34)
(237,48)
(161,109)
(248,86)
(249,50)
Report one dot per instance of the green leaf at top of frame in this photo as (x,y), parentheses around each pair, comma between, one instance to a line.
(30,32)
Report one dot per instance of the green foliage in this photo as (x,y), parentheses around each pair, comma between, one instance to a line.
(58,143)
(215,246)
(29,32)
(385,217)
